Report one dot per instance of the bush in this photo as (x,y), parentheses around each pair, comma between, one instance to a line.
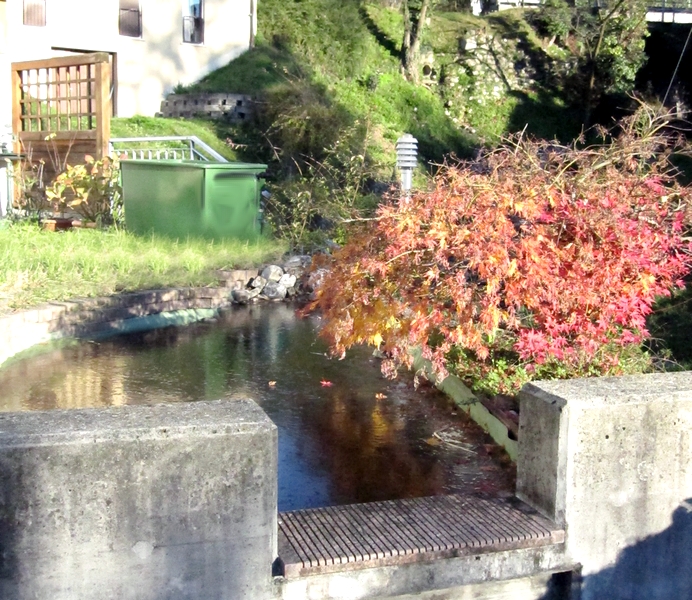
(536,260)
(305,210)
(554,19)
(92,190)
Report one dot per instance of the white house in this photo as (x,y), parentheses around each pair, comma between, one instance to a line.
(153,44)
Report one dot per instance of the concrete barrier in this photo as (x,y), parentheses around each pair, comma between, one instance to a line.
(610,459)
(138,503)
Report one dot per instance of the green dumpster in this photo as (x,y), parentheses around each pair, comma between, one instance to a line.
(192,198)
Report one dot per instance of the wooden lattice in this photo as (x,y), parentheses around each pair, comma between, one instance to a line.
(62,102)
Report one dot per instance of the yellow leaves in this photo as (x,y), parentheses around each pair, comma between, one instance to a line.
(392,323)
(376,340)
(647,281)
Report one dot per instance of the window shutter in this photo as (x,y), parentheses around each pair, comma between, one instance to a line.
(130,18)
(35,13)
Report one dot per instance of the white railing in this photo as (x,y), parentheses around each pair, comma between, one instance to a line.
(164,148)
(657,6)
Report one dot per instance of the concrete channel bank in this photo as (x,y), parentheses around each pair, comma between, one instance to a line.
(179,501)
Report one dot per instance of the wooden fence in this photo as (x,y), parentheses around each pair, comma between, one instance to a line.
(61,109)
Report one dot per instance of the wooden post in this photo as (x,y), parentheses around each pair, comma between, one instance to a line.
(103,108)
(16,108)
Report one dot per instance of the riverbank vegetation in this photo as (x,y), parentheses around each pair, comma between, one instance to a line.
(534,261)
(568,241)
(39,266)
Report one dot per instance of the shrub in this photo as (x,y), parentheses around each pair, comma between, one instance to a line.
(92,190)
(554,19)
(305,210)
(536,260)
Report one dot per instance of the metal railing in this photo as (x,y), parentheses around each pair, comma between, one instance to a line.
(654,5)
(164,147)
(671,5)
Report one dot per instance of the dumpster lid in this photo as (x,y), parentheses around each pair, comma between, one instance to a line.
(199,164)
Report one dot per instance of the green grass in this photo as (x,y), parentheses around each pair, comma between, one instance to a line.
(38,266)
(259,69)
(139,126)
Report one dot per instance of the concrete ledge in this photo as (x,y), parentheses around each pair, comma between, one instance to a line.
(432,578)
(138,503)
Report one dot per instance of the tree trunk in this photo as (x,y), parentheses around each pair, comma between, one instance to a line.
(406,42)
(410,47)
(593,64)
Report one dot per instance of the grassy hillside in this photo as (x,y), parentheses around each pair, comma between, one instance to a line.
(325,56)
(149,126)
(342,57)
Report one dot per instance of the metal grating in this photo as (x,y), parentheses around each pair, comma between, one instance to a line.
(322,540)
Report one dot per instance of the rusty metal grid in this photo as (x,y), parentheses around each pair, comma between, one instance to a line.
(341,538)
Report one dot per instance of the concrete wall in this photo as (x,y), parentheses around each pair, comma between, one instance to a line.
(611,459)
(138,503)
(147,67)
(523,574)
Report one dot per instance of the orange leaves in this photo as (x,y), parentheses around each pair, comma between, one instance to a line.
(532,254)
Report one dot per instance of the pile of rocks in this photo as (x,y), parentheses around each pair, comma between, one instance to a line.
(273,282)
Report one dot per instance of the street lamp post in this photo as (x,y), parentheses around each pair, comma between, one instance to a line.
(406,160)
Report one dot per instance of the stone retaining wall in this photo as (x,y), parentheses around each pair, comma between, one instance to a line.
(123,313)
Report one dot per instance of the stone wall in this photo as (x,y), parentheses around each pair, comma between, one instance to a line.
(100,317)
(125,313)
(234,107)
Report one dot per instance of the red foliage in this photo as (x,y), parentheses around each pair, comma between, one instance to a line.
(538,252)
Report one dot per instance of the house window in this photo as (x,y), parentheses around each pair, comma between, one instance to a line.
(193,22)
(130,18)
(35,13)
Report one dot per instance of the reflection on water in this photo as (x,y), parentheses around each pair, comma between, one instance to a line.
(338,443)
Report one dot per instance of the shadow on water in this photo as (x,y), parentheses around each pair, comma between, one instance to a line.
(659,567)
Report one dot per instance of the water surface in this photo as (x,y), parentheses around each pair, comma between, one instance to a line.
(345,433)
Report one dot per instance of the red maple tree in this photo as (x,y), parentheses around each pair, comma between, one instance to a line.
(533,255)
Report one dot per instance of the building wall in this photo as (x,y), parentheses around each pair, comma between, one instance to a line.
(147,68)
(5,96)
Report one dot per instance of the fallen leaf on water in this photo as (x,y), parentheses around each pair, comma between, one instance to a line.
(272,384)
(433,441)
(326,383)
(380,396)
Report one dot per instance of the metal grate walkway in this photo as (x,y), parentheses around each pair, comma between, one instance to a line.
(324,540)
